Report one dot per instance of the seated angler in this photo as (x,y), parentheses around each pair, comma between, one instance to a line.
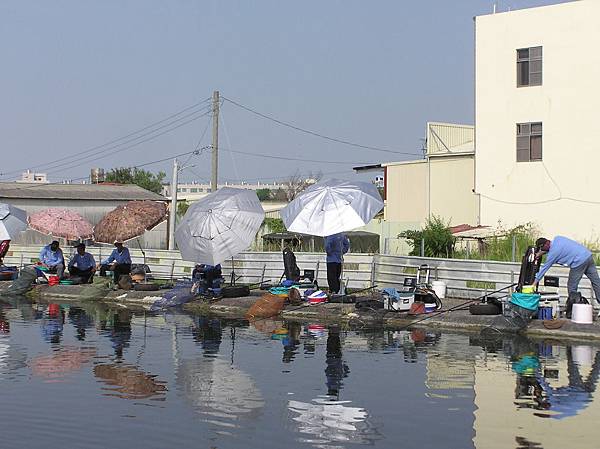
(119,262)
(82,264)
(51,257)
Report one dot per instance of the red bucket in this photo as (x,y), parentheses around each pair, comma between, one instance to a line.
(53,280)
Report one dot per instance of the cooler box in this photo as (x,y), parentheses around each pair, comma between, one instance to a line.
(404,303)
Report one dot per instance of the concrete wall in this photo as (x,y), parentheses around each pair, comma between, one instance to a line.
(559,193)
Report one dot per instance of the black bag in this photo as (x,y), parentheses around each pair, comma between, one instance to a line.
(529,268)
(290,269)
(574,298)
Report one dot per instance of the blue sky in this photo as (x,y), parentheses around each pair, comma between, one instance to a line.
(78,74)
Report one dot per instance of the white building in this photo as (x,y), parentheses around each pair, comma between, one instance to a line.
(537,105)
(441,184)
(31,177)
(195,190)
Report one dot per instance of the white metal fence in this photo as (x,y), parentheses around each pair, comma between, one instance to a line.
(464,278)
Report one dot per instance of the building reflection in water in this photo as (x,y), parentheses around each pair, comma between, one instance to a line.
(327,420)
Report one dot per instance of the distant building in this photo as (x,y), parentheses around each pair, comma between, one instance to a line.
(537,102)
(31,177)
(441,184)
(92,201)
(194,191)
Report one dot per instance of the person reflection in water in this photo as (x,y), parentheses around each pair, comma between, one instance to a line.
(335,367)
(561,402)
(291,342)
(571,399)
(52,324)
(80,320)
(209,334)
(120,331)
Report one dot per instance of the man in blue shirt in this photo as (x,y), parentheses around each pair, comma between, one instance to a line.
(336,246)
(119,262)
(82,264)
(567,252)
(51,257)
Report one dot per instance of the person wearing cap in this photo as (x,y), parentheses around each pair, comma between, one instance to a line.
(82,264)
(51,257)
(567,252)
(119,262)
(336,246)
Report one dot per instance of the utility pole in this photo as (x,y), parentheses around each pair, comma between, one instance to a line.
(173,215)
(215,142)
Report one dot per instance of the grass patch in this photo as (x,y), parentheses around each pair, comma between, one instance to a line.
(409,270)
(482,285)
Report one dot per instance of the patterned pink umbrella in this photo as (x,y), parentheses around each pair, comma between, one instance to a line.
(61,223)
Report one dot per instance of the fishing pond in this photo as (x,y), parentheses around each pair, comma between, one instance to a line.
(90,375)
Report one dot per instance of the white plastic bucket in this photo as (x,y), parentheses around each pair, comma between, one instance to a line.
(439,287)
(582,314)
(582,355)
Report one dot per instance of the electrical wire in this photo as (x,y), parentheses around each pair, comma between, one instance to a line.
(19,187)
(322,136)
(118,150)
(235,170)
(532,203)
(97,147)
(284,158)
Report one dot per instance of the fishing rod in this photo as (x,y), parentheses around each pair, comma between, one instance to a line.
(457,307)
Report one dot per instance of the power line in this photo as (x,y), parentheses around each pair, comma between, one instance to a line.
(322,136)
(97,147)
(118,150)
(284,158)
(46,184)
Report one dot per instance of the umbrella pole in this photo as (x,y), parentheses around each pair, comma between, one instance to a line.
(143,255)
(232,282)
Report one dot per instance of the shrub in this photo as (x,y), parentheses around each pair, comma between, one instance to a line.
(438,239)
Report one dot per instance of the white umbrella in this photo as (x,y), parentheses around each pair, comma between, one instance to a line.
(12,221)
(219,226)
(332,206)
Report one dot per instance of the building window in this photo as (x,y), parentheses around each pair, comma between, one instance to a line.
(193,190)
(529,142)
(529,66)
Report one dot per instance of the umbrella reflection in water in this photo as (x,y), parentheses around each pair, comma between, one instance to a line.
(128,382)
(218,390)
(327,418)
(61,362)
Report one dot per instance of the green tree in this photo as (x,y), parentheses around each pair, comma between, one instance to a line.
(131,175)
(263,194)
(274,224)
(182,207)
(436,234)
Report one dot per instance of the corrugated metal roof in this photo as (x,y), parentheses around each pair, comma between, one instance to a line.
(77,191)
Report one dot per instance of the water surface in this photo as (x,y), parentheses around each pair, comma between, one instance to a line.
(93,376)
